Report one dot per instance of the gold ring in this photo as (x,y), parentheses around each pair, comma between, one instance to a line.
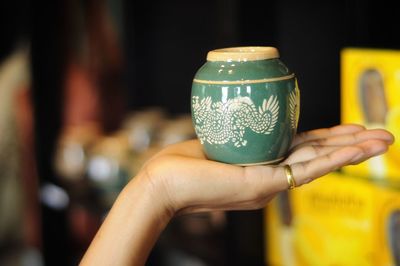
(289,176)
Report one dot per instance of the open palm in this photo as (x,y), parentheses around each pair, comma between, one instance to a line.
(192,183)
(180,179)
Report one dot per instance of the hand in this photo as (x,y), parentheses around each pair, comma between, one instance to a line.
(188,182)
(180,179)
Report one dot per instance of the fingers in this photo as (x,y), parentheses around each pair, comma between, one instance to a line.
(306,171)
(325,133)
(310,150)
(358,137)
(194,184)
(351,138)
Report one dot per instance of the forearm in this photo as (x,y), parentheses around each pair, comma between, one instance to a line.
(131,228)
(183,180)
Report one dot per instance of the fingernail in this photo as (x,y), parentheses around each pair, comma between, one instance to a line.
(391,138)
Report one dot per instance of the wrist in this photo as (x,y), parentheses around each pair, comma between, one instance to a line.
(151,193)
(132,226)
(151,184)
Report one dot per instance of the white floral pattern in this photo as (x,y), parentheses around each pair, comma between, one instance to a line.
(221,122)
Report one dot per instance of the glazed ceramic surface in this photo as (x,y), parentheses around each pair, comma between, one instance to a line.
(245,106)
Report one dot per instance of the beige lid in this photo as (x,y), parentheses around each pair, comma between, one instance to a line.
(249,53)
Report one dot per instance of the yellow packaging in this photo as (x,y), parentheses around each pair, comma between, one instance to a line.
(370,95)
(337,220)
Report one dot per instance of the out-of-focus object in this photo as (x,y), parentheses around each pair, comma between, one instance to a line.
(54,196)
(245,105)
(393,234)
(108,167)
(371,97)
(12,74)
(71,156)
(336,220)
(19,206)
(142,127)
(176,130)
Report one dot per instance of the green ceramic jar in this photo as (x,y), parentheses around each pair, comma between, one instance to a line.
(245,106)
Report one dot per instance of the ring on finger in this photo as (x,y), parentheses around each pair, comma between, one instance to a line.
(289,177)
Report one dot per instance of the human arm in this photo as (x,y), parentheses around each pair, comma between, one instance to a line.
(180,179)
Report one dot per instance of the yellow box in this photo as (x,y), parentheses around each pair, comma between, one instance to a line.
(336,220)
(370,95)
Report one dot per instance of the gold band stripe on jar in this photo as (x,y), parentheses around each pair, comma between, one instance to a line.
(251,81)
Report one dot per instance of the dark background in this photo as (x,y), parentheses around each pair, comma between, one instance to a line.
(165,42)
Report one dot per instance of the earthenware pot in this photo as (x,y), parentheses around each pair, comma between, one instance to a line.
(245,106)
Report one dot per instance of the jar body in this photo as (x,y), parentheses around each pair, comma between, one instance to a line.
(245,112)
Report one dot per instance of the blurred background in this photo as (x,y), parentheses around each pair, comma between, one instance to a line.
(90,89)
